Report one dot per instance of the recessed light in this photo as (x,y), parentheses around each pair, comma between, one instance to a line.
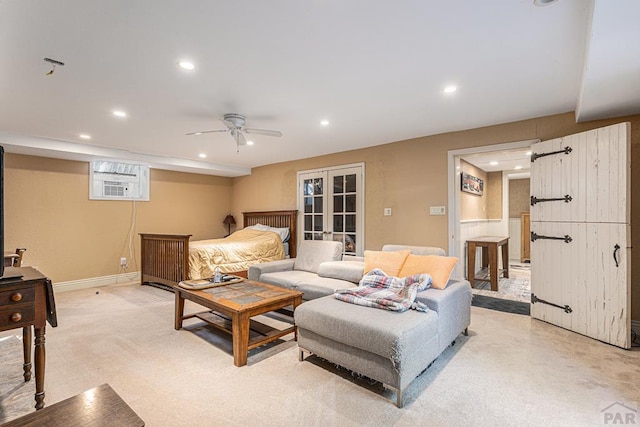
(249,142)
(518,167)
(494,163)
(202,156)
(119,113)
(324,122)
(84,136)
(450,89)
(186,65)
(528,153)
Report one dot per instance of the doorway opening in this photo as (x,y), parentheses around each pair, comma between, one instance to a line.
(501,210)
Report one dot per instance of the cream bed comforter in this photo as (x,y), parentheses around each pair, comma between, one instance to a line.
(234,253)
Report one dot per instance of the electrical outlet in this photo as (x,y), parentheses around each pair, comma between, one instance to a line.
(123,262)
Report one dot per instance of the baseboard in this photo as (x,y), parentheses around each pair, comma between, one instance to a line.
(96,282)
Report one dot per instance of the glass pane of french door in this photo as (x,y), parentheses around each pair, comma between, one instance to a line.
(313,193)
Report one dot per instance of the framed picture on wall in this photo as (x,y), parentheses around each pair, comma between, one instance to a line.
(472,184)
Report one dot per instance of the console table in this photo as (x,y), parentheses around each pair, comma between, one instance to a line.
(490,246)
(28,301)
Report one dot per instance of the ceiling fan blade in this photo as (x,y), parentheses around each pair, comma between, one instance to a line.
(263,132)
(206,131)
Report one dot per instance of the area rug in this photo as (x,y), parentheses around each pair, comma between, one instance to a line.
(516,288)
(16,396)
(508,306)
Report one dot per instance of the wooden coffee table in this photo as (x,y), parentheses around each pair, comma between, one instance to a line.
(231,308)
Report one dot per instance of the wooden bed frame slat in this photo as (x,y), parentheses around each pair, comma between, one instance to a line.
(165,257)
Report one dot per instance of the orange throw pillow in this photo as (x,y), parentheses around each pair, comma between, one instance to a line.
(439,267)
(388,261)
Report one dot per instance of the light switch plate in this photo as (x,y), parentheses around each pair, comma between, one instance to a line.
(387,211)
(437,210)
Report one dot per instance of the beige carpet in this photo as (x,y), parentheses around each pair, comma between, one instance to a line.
(511,370)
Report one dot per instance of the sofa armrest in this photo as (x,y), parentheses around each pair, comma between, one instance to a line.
(453,305)
(256,270)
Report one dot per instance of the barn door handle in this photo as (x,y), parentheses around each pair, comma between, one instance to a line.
(616,254)
(535,299)
(535,237)
(567,198)
(565,150)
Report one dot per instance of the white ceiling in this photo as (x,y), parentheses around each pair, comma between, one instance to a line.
(375,69)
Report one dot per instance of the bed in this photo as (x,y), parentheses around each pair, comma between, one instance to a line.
(165,258)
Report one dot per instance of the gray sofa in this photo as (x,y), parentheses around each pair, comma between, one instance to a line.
(390,347)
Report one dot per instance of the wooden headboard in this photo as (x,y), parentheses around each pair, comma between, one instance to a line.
(278,219)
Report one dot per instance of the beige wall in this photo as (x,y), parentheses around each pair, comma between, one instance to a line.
(473,206)
(69,237)
(409,176)
(493,189)
(519,197)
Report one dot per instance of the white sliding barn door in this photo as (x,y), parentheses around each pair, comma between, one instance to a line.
(580,255)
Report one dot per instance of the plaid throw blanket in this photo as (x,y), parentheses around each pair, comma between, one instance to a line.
(378,290)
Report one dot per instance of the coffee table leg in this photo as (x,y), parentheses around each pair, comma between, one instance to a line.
(240,333)
(179,309)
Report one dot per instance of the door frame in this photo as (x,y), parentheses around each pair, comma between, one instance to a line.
(361,201)
(453,193)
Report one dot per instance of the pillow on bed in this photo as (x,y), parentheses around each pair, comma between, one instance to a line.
(282,232)
(259,227)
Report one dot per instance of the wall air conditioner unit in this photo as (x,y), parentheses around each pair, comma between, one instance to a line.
(117,180)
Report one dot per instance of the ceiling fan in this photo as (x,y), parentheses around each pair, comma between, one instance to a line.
(236,126)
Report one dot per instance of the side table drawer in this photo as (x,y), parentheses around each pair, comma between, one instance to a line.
(17,317)
(17,296)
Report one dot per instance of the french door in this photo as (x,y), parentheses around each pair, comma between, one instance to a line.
(331,203)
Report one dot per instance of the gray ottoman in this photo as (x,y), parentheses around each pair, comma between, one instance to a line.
(390,347)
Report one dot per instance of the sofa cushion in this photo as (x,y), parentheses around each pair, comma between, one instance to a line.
(311,253)
(386,333)
(439,267)
(351,271)
(389,262)
(317,287)
(287,279)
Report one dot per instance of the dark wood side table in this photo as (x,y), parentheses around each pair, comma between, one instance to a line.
(98,407)
(490,246)
(28,301)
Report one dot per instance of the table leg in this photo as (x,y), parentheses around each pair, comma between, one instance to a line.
(40,358)
(471,262)
(493,266)
(240,333)
(505,260)
(27,336)
(486,258)
(179,309)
